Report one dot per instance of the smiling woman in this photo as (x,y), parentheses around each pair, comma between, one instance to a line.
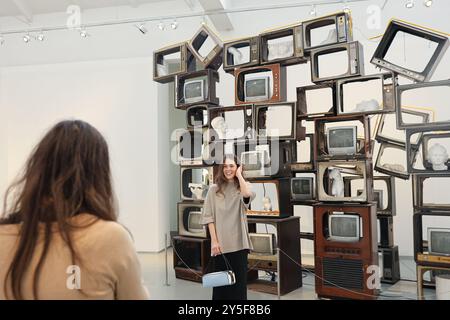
(224,213)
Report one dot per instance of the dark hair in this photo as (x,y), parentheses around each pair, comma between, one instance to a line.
(67,173)
(220,179)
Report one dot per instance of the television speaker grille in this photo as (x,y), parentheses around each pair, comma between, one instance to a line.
(343,273)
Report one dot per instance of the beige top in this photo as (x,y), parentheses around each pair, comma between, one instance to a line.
(229,217)
(109,270)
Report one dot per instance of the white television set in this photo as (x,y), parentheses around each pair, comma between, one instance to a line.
(302,188)
(344,227)
(194,90)
(256,88)
(342,140)
(255,163)
(439,241)
(263,243)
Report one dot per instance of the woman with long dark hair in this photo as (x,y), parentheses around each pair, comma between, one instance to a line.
(59,238)
(224,213)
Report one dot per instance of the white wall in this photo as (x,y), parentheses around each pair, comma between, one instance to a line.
(106,80)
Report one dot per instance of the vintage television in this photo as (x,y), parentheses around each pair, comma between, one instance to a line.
(345,248)
(383,193)
(367,94)
(196,88)
(233,122)
(439,241)
(387,126)
(331,176)
(316,100)
(241,53)
(430,192)
(263,84)
(389,260)
(197,116)
(339,61)
(302,188)
(418,94)
(189,218)
(190,147)
(256,163)
(344,227)
(191,257)
(386,164)
(328,30)
(263,243)
(341,140)
(276,120)
(272,199)
(266,158)
(338,138)
(427,49)
(283,45)
(207,47)
(195,182)
(433,157)
(435,249)
(171,61)
(305,155)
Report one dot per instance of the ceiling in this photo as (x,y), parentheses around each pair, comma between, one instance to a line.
(33,7)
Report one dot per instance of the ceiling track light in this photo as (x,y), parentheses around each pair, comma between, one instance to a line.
(40,36)
(409,4)
(313,11)
(141,27)
(26,38)
(174,24)
(83,33)
(161,26)
(428,3)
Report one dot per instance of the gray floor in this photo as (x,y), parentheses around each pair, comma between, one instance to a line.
(154,273)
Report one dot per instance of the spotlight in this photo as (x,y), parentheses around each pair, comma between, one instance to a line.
(409,4)
(141,27)
(161,26)
(26,38)
(428,3)
(313,11)
(40,36)
(83,33)
(174,24)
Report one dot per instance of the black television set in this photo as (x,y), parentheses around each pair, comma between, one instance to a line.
(419,63)
(327,30)
(196,88)
(189,220)
(171,61)
(339,61)
(302,188)
(241,53)
(283,45)
(197,116)
(316,100)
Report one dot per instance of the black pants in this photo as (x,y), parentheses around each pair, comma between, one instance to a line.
(238,261)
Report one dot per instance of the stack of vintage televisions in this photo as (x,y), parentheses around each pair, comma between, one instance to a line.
(425,147)
(342,152)
(194,72)
(267,145)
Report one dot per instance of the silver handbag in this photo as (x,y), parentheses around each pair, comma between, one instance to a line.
(219,278)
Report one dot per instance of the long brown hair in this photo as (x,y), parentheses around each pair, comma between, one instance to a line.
(67,173)
(220,179)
